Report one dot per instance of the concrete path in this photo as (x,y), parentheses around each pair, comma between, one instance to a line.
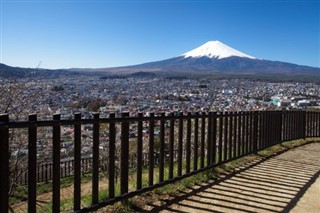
(278,184)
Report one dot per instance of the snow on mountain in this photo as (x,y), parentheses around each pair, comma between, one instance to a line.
(215,49)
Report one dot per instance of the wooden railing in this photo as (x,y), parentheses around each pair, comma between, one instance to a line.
(181,144)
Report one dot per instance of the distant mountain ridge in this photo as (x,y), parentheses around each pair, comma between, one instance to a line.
(216,57)
(211,58)
(19,72)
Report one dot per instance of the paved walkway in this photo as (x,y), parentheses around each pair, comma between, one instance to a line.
(278,184)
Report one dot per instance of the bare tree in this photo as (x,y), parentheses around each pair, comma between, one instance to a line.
(16,98)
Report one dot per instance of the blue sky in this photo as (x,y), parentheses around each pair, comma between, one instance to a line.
(95,34)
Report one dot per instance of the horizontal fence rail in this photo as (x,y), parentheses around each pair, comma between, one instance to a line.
(136,154)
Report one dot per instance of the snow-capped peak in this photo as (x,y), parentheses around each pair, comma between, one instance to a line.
(215,49)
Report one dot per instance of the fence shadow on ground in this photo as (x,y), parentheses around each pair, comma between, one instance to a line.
(274,184)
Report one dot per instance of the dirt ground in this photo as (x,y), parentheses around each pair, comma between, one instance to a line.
(310,201)
(66,193)
(279,184)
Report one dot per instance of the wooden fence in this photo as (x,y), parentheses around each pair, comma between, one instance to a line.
(179,143)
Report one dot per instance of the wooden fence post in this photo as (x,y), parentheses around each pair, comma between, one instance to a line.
(56,164)
(95,159)
(139,152)
(111,162)
(32,164)
(255,131)
(77,164)
(124,157)
(180,144)
(4,163)
(151,148)
(171,146)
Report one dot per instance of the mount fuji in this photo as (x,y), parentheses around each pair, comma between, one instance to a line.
(215,57)
(210,59)
(215,49)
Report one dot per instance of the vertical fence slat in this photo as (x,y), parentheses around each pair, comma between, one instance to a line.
(124,154)
(243,132)
(318,128)
(266,129)
(239,134)
(301,125)
(111,162)
(32,164)
(203,129)
(139,152)
(292,125)
(272,130)
(171,146)
(313,124)
(283,124)
(50,171)
(46,175)
(188,143)
(308,124)
(248,119)
(298,124)
(287,126)
(209,137)
(95,160)
(277,127)
(162,134)
(214,138)
(235,135)
(38,173)
(255,131)
(220,136)
(4,163)
(151,149)
(225,137)
(280,126)
(180,146)
(318,125)
(196,145)
(56,164)
(64,170)
(230,135)
(294,115)
(77,163)
(252,137)
(247,131)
